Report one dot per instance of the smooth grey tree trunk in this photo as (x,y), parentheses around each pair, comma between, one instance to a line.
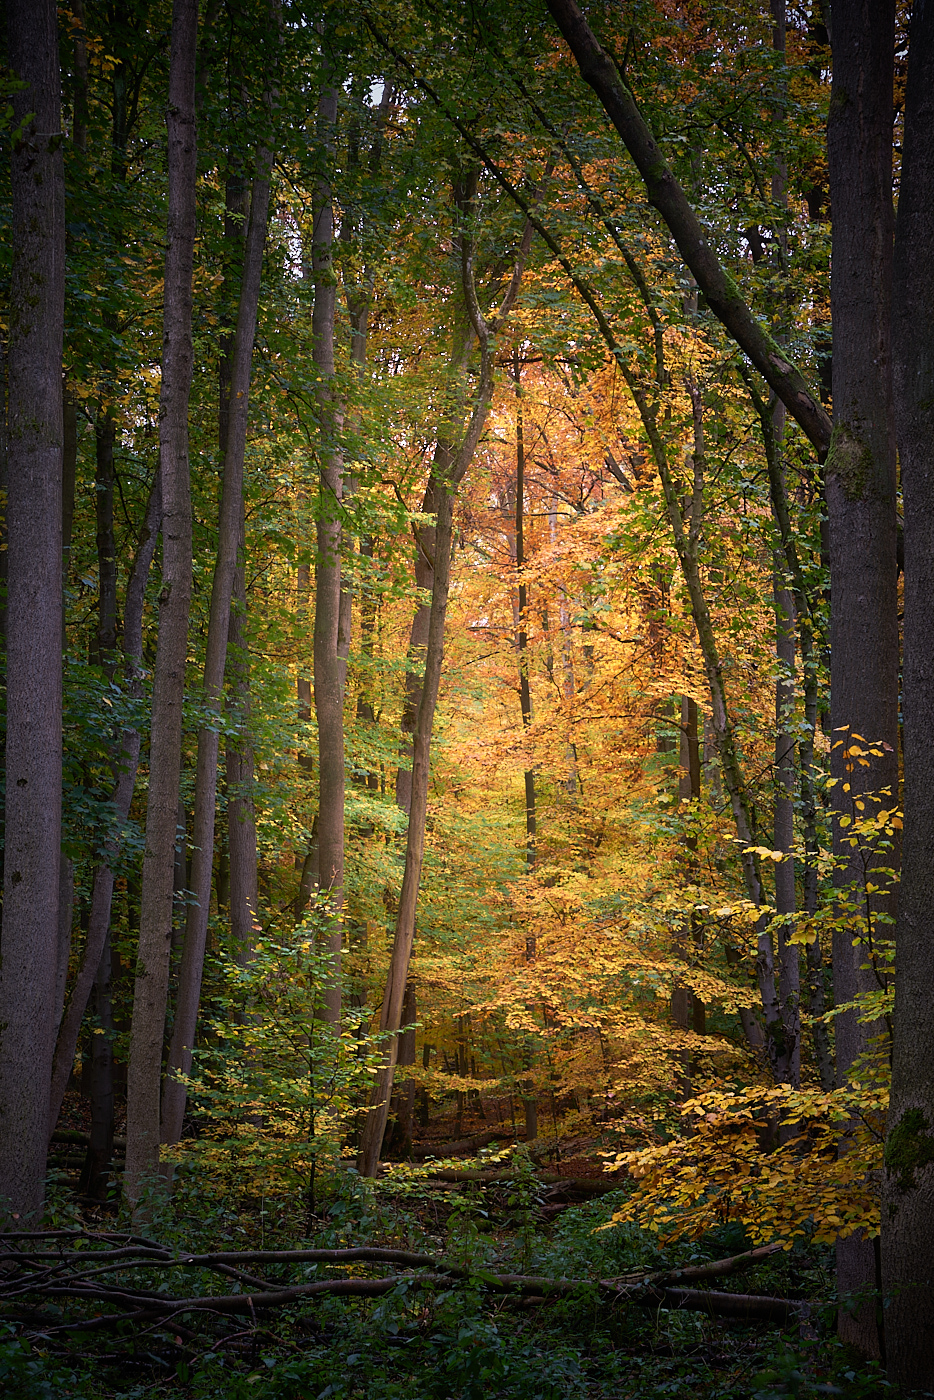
(860,492)
(522,631)
(331,627)
(241,812)
(128,758)
(155,936)
(28,942)
(908,1192)
(228,556)
(448,469)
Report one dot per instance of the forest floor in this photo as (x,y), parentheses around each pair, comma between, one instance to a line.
(465,1330)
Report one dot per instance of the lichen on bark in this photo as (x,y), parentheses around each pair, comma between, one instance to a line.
(850,461)
(909,1147)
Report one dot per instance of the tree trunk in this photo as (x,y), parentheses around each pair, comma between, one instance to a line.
(28,952)
(448,469)
(152,971)
(789,991)
(95,1173)
(600,71)
(522,636)
(908,1204)
(331,639)
(860,486)
(228,551)
(801,605)
(106,641)
(391,1015)
(128,761)
(241,812)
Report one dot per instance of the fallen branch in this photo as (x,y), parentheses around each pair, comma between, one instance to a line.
(580,1185)
(462,1146)
(61,1272)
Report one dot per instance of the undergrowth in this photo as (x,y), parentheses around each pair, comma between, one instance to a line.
(455,1343)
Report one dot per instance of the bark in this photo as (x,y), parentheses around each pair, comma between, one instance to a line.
(687,537)
(403,1095)
(66,909)
(789,985)
(908,1207)
(448,470)
(425,550)
(128,758)
(106,640)
(800,602)
(522,635)
(331,631)
(667,196)
(95,1173)
(152,970)
(391,1015)
(687,1008)
(241,812)
(860,488)
(28,952)
(69,469)
(243,892)
(228,555)
(789,991)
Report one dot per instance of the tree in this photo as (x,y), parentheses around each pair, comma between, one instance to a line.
(332,611)
(152,969)
(860,492)
(32,836)
(222,598)
(449,466)
(907,1240)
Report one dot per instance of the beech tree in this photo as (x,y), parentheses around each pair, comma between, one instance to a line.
(907,1242)
(30,949)
(575,772)
(152,971)
(222,601)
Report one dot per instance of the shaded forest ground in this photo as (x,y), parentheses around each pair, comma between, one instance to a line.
(458,1338)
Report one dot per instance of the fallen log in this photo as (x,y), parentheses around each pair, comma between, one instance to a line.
(462,1146)
(581,1185)
(44,1271)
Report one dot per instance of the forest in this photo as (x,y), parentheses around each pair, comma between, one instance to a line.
(466,560)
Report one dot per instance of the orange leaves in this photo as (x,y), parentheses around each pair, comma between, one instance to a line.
(732,1168)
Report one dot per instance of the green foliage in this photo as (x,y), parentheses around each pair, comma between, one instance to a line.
(275,1089)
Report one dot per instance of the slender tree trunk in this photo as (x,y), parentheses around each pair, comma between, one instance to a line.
(448,470)
(331,634)
(908,1204)
(522,635)
(241,813)
(686,542)
(94,1174)
(228,551)
(28,943)
(106,641)
(128,761)
(687,1007)
(152,971)
(860,486)
(666,195)
(800,603)
(789,992)
(391,1015)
